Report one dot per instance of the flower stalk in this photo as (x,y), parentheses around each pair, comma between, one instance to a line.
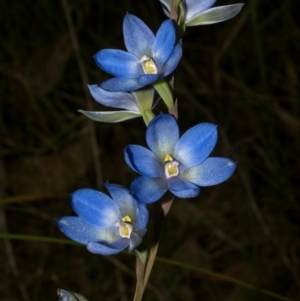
(144,267)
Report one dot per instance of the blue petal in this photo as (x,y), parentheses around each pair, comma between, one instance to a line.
(173,61)
(182,189)
(120,84)
(216,15)
(147,79)
(120,243)
(138,37)
(110,116)
(195,7)
(148,190)
(98,248)
(143,161)
(195,145)
(121,100)
(162,135)
(212,171)
(78,230)
(164,43)
(119,63)
(96,208)
(142,216)
(125,201)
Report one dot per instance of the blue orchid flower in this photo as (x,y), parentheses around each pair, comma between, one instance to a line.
(149,57)
(135,104)
(105,225)
(179,164)
(199,12)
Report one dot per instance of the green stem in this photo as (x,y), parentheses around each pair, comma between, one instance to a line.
(139,291)
(142,281)
(165,92)
(143,271)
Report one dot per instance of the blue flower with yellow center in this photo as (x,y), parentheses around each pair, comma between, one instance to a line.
(199,12)
(179,164)
(105,225)
(149,57)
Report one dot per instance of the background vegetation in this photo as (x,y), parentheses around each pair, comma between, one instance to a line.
(242,74)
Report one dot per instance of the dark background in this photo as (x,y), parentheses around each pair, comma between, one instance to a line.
(242,74)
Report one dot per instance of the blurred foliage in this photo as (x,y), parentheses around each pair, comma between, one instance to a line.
(242,74)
